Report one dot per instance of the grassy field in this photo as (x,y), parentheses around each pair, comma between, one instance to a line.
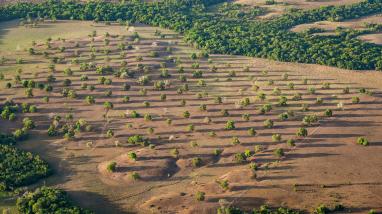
(326,167)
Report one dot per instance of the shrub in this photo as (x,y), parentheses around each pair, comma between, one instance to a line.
(90,100)
(147,117)
(137,139)
(282,101)
(135,114)
(20,134)
(362,141)
(186,114)
(135,176)
(245,117)
(224,112)
(200,196)
(223,184)
(355,100)
(230,125)
(109,133)
(253,166)
(132,156)
(311,90)
(240,157)
(217,152)
(302,132)
(283,116)
(111,167)
(19,168)
(252,132)
(191,128)
(235,141)
(175,153)
(291,142)
(319,100)
(196,162)
(309,119)
(28,123)
(328,113)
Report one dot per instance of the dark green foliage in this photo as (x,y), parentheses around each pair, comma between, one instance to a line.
(48,200)
(302,132)
(197,162)
(19,168)
(111,167)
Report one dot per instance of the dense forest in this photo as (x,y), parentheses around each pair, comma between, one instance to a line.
(234,35)
(17,167)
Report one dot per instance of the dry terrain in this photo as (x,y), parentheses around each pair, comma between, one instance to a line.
(282,5)
(326,167)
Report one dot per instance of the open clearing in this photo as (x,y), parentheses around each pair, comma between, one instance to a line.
(326,167)
(282,5)
(329,27)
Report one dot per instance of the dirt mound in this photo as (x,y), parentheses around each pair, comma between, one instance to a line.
(145,168)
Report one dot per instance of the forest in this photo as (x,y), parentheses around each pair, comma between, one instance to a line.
(238,36)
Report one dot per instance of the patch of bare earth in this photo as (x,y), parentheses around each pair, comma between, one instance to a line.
(327,26)
(282,5)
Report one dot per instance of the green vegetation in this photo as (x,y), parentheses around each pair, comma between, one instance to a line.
(47,200)
(19,168)
(362,141)
(228,33)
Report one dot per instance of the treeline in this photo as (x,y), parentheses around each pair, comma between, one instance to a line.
(48,200)
(267,39)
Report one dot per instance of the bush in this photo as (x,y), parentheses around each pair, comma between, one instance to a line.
(291,142)
(355,100)
(137,139)
(47,200)
(196,162)
(132,156)
(309,119)
(28,123)
(268,123)
(200,196)
(302,132)
(252,132)
(111,167)
(20,134)
(186,114)
(109,133)
(279,152)
(253,166)
(223,184)
(240,157)
(230,125)
(276,137)
(362,141)
(328,113)
(135,176)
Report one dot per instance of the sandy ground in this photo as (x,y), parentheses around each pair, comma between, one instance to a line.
(326,167)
